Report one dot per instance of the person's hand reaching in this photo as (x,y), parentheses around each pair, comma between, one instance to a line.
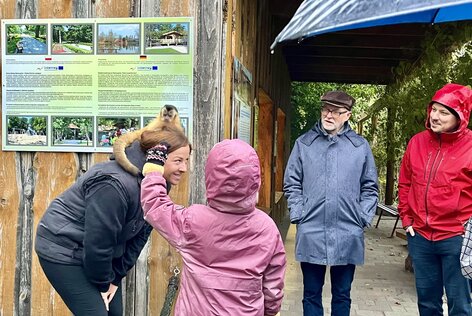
(156,158)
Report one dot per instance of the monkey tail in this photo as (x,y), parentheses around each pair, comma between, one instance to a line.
(119,147)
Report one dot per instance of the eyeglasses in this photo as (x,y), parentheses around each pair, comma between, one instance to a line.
(335,114)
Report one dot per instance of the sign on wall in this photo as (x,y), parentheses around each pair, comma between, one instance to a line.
(75,85)
(241,123)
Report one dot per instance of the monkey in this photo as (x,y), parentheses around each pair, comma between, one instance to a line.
(167,116)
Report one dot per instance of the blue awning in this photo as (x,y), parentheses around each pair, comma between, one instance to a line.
(315,17)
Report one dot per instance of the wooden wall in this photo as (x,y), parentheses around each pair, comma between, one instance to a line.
(29,181)
(251,29)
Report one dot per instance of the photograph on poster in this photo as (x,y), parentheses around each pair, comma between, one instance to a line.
(72,131)
(184,122)
(118,38)
(27,130)
(110,128)
(72,39)
(26,39)
(166,38)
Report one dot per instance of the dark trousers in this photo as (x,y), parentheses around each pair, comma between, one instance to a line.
(313,281)
(437,266)
(80,296)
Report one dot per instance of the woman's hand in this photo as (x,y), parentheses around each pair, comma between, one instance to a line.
(410,230)
(156,158)
(108,295)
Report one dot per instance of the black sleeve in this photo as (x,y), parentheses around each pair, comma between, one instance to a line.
(122,265)
(105,216)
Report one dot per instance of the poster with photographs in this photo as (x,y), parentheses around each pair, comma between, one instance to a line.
(76,85)
(242,108)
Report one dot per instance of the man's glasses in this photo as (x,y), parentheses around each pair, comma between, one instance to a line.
(334,114)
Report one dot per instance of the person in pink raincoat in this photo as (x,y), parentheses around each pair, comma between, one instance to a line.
(233,256)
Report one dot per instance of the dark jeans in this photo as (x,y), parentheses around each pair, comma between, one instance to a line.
(437,266)
(80,296)
(313,281)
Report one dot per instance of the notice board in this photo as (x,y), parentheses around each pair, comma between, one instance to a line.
(75,85)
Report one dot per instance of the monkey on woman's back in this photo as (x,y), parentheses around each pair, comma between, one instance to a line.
(167,116)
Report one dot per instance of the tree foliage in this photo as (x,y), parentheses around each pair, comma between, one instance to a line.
(74,33)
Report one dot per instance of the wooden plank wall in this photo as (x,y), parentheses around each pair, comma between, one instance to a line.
(279,165)
(265,149)
(253,32)
(29,181)
(250,27)
(208,93)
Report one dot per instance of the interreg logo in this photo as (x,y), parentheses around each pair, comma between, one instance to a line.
(147,68)
(53,68)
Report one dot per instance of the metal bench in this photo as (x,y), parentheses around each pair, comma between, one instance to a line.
(391,210)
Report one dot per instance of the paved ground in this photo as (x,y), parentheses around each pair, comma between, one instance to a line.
(381,287)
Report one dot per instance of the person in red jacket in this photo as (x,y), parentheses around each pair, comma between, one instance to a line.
(435,200)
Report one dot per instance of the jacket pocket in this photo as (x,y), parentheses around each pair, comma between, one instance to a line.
(296,213)
(443,200)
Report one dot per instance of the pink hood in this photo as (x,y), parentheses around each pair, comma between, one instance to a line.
(233,183)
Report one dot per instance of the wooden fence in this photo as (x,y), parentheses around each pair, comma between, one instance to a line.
(29,181)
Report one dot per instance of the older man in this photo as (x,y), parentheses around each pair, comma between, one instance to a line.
(331,186)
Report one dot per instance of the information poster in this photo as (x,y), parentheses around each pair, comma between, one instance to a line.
(242,103)
(75,85)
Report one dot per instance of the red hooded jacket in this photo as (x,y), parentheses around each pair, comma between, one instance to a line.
(435,181)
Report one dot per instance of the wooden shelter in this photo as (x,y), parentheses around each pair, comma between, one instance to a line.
(224,30)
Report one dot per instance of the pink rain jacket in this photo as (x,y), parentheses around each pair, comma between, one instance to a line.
(234,258)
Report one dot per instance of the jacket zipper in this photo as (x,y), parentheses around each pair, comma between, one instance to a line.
(429,182)
(427,165)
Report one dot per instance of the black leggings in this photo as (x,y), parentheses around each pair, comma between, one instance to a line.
(80,296)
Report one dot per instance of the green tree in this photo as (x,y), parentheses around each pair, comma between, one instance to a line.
(17,122)
(39,125)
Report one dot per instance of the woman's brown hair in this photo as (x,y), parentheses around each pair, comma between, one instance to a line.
(174,137)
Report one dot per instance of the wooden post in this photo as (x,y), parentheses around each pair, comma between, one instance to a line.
(208,95)
(390,178)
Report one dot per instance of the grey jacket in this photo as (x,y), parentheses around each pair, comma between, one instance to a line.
(331,186)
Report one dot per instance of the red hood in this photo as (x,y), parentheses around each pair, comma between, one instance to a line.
(458,98)
(232,177)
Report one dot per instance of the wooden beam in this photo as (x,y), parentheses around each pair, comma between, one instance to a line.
(342,78)
(301,51)
(342,61)
(284,8)
(337,69)
(208,95)
(365,41)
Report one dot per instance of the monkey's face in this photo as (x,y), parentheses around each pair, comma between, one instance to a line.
(168,116)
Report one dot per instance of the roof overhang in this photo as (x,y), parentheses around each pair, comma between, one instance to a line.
(345,43)
(355,56)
